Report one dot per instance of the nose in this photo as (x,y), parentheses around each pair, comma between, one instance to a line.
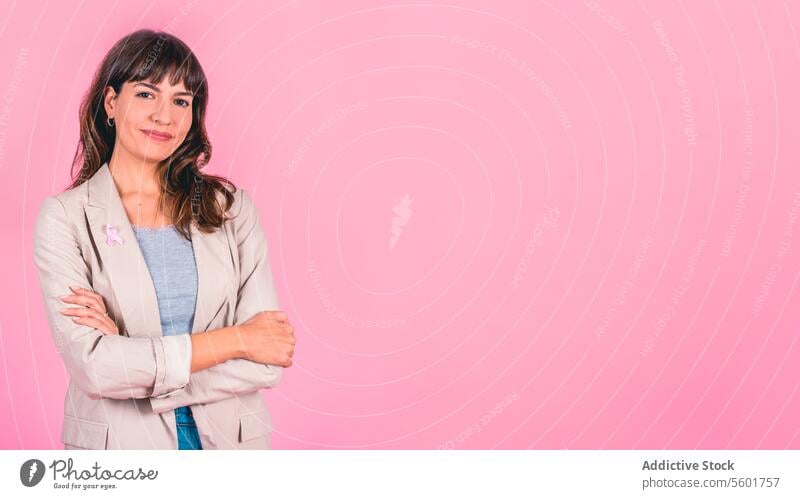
(162,116)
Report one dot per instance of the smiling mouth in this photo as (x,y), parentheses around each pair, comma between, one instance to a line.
(162,137)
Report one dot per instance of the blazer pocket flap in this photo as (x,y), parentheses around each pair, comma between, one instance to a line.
(253,425)
(84,433)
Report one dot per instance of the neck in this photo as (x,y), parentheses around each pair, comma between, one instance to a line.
(133,175)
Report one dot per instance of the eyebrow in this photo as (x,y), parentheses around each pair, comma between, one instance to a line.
(149,85)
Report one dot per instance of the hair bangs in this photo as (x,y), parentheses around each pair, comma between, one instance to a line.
(166,57)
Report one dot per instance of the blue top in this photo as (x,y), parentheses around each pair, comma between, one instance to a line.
(170,259)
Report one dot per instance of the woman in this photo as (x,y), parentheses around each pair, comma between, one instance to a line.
(155,276)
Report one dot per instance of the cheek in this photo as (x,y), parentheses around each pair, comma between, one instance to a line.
(130,127)
(133,118)
(132,133)
(184,122)
(183,128)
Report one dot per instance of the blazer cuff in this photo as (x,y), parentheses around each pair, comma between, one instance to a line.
(173,364)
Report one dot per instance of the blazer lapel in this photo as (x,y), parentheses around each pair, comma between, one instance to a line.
(212,255)
(122,260)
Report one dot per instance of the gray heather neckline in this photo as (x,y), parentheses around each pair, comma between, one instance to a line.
(165,227)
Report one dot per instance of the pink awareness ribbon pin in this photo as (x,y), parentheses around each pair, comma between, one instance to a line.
(112,237)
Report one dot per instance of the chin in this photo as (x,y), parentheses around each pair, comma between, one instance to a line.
(153,157)
(151,152)
(154,151)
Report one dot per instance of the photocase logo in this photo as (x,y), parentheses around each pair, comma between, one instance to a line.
(31,472)
(402,211)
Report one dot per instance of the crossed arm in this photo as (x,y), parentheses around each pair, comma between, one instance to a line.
(157,367)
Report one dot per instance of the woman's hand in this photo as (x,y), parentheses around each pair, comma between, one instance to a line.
(267,338)
(93,312)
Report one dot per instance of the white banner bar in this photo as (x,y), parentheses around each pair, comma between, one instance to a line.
(401,474)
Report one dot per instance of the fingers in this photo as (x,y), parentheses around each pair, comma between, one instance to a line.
(83,312)
(85,297)
(86,301)
(81,291)
(290,330)
(92,318)
(286,328)
(101,325)
(275,315)
(93,313)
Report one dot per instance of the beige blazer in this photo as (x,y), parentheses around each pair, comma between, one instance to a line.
(123,389)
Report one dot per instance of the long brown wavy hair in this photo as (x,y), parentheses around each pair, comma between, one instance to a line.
(151,55)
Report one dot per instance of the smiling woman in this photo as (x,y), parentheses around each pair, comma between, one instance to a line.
(147,105)
(176,324)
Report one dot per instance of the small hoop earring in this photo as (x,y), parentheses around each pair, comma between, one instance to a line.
(110,122)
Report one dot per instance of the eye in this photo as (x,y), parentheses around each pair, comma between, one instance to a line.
(183,102)
(143,93)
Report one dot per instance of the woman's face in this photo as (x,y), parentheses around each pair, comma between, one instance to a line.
(151,120)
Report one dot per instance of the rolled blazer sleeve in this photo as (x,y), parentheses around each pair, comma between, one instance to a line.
(110,366)
(256,293)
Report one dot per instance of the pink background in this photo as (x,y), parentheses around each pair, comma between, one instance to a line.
(595,207)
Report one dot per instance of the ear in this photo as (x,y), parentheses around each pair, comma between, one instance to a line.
(109,100)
